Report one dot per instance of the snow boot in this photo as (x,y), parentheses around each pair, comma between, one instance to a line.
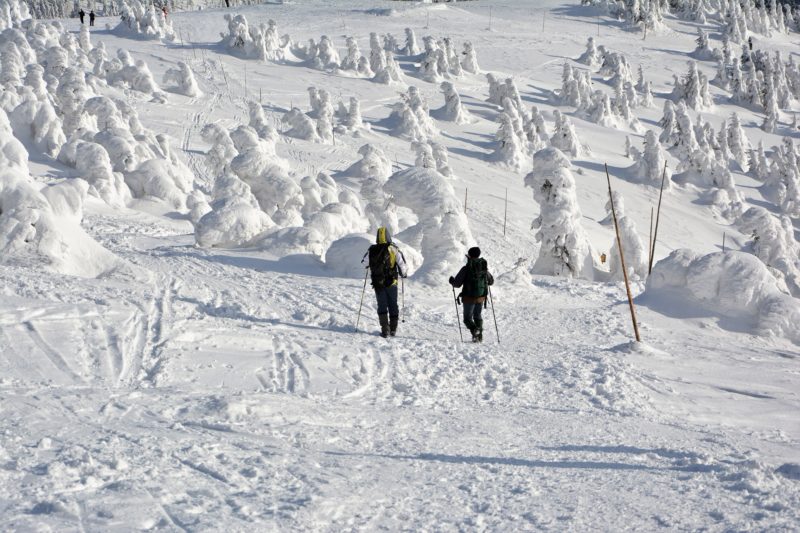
(392,326)
(384,320)
(478,333)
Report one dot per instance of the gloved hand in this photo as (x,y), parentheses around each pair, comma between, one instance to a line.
(452,280)
(403,275)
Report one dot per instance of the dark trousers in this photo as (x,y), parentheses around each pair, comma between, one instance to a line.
(387,301)
(472,315)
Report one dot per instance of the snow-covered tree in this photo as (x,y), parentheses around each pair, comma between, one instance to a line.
(353,120)
(536,130)
(738,143)
(452,111)
(591,56)
(442,159)
(508,151)
(470,60)
(772,240)
(424,154)
(235,218)
(300,125)
(411,47)
(650,163)
(350,61)
(693,89)
(144,21)
(183,78)
(636,255)
(565,249)
(564,137)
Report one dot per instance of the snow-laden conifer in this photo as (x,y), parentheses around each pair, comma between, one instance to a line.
(565,249)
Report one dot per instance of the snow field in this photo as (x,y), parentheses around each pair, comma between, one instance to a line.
(223,387)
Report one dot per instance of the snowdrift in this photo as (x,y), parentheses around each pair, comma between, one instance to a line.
(42,228)
(735,286)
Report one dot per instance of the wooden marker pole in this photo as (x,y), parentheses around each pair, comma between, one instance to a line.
(658,217)
(505,214)
(622,260)
(650,238)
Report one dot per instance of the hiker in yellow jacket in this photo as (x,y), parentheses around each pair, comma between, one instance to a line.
(386,263)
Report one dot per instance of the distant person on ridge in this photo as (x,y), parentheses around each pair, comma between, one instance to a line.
(91,17)
(386,262)
(475,278)
(81,14)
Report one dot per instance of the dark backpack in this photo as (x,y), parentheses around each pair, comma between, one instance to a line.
(382,273)
(477,280)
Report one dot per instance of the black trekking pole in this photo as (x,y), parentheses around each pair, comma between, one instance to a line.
(366,274)
(455,302)
(402,300)
(491,301)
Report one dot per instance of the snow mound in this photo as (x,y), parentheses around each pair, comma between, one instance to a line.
(343,257)
(39,228)
(734,285)
(143,21)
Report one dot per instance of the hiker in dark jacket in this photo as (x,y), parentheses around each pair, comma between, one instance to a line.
(386,263)
(81,14)
(475,278)
(91,17)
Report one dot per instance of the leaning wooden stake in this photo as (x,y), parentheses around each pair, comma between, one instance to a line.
(650,239)
(622,260)
(658,217)
(505,214)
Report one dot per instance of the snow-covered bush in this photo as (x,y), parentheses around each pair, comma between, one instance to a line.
(411,118)
(442,222)
(388,70)
(343,257)
(733,285)
(235,218)
(258,121)
(183,78)
(94,166)
(143,21)
(261,42)
(277,193)
(373,164)
(772,240)
(300,125)
(222,150)
(136,76)
(42,228)
(565,248)
(35,120)
(327,58)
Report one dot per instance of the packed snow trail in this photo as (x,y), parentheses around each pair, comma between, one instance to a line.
(209,389)
(211,394)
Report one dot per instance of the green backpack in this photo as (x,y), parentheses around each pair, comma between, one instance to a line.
(476,282)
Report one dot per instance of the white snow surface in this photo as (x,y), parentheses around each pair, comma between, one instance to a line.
(200,371)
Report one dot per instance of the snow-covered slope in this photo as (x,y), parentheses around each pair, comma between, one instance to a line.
(181,277)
